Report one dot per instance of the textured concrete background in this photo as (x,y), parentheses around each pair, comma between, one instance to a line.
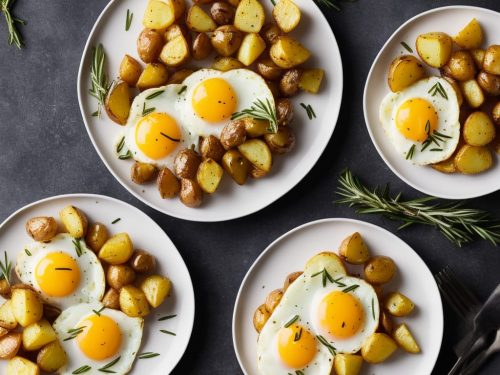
(45,151)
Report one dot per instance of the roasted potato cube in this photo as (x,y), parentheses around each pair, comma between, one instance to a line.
(287,15)
(380,270)
(256,128)
(117,249)
(397,304)
(10,345)
(52,357)
(257,173)
(461,66)
(202,47)
(310,80)
(284,111)
(386,322)
(7,318)
(491,63)
(37,335)
(120,275)
(26,306)
(445,166)
(473,93)
(156,288)
(490,83)
(405,339)
(179,76)
(404,71)
(273,299)
(111,299)
(271,32)
(118,102)
(74,220)
(97,235)
(434,48)
(347,364)
(258,153)
(176,30)
(149,45)
(250,16)
(186,163)
(22,366)
(233,134)
(290,279)
(268,69)
(235,164)
(471,36)
(282,141)
(191,194)
(289,82)
(142,173)
(288,53)
(251,48)
(167,183)
(133,301)
(222,13)
(41,228)
(478,129)
(354,250)
(159,14)
(176,52)
(153,75)
(226,40)
(260,317)
(496,113)
(142,261)
(209,175)
(478,56)
(198,20)
(377,348)
(473,159)
(211,148)
(325,261)
(225,64)
(179,7)
(4,289)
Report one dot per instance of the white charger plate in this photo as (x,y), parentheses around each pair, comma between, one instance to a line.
(145,234)
(290,252)
(450,20)
(230,201)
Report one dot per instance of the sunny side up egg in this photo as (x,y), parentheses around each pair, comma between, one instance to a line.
(60,275)
(94,337)
(168,119)
(422,122)
(314,320)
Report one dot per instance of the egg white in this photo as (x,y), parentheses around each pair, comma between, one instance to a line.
(131,328)
(92,280)
(448,120)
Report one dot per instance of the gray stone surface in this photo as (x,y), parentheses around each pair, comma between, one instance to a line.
(45,150)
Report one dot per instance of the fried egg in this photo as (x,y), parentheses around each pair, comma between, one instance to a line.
(316,318)
(62,273)
(94,336)
(422,121)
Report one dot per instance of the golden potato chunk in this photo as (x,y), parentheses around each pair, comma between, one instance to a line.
(117,249)
(236,166)
(380,270)
(288,53)
(287,15)
(491,63)
(111,299)
(37,335)
(250,16)
(179,76)
(153,75)
(258,153)
(377,348)
(405,339)
(142,173)
(149,45)
(179,7)
(473,93)
(198,20)
(191,194)
(473,159)
(404,71)
(41,228)
(74,220)
(445,166)
(133,301)
(478,129)
(202,47)
(461,66)
(328,261)
(209,175)
(273,299)
(168,185)
(4,289)
(7,318)
(159,14)
(156,288)
(226,40)
(310,80)
(354,250)
(97,235)
(120,275)
(251,48)
(175,52)
(386,322)
(478,56)
(282,141)
(434,48)
(490,83)
(22,366)
(471,36)
(397,304)
(142,261)
(289,280)
(225,64)
(260,317)
(118,102)
(10,345)
(26,306)
(211,148)
(51,357)
(347,364)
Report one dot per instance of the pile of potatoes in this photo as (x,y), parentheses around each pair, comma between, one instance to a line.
(377,270)
(24,308)
(237,33)
(474,73)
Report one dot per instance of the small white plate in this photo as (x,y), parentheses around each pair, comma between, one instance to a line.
(450,20)
(145,234)
(290,252)
(230,201)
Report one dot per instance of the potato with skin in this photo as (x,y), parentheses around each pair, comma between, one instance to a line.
(5,290)
(250,16)
(10,345)
(209,175)
(271,33)
(179,7)
(130,70)
(211,148)
(37,335)
(198,20)
(268,69)
(354,250)
(273,299)
(74,220)
(167,183)
(284,112)
(222,13)
(117,249)
(478,56)
(176,30)
(347,364)
(456,88)
(97,235)
(258,153)
(287,52)
(380,270)
(236,166)
(445,166)
(233,134)
(434,48)
(282,141)
(490,83)
(257,173)
(377,348)
(149,45)
(478,129)
(225,64)
(117,276)
(273,86)
(133,301)
(26,306)
(156,288)
(22,366)
(51,357)
(141,261)
(397,304)
(289,82)
(142,173)
(202,47)
(255,128)
(491,63)
(404,71)
(179,76)
(386,322)
(496,113)
(41,228)
(473,159)
(471,36)
(325,260)
(260,317)
(251,48)
(287,15)
(111,299)
(118,102)
(186,163)
(175,52)
(226,40)
(7,318)
(159,14)
(153,75)
(405,339)
(461,66)
(290,279)
(473,93)
(191,194)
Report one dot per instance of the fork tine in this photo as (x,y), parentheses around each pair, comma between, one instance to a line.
(449,296)
(462,288)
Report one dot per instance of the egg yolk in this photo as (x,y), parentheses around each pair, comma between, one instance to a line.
(296,346)
(157,135)
(100,338)
(341,314)
(57,274)
(214,100)
(416,119)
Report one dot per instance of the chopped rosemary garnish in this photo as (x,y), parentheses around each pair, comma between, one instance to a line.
(98,312)
(350,288)
(166,317)
(459,225)
(146,355)
(120,145)
(14,35)
(329,346)
(435,137)
(436,149)
(110,364)
(182,90)
(78,247)
(373,309)
(309,111)
(82,369)
(128,20)
(171,138)
(291,321)
(5,268)
(337,281)
(299,372)
(74,332)
(99,81)
(438,89)
(116,220)
(63,269)
(167,332)
(407,47)
(27,252)
(95,114)
(273,2)
(147,111)
(154,95)
(260,111)
(298,335)
(125,156)
(325,276)
(410,152)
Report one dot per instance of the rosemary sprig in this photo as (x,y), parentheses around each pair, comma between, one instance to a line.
(167,317)
(309,110)
(291,321)
(324,276)
(81,370)
(406,47)
(329,346)
(350,288)
(458,224)
(14,35)
(74,332)
(146,355)
(435,137)
(155,94)
(5,268)
(128,20)
(107,367)
(99,80)
(438,89)
(260,111)
(78,247)
(410,152)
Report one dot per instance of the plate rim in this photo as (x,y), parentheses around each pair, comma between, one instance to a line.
(191,296)
(230,214)
(318,222)
(365,100)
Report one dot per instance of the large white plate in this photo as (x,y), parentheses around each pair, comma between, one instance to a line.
(290,252)
(145,234)
(230,201)
(450,20)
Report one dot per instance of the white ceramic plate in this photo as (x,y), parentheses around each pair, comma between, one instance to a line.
(145,234)
(290,252)
(230,201)
(427,180)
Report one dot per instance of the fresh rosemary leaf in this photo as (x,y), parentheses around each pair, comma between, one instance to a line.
(407,47)
(95,114)
(273,2)
(99,80)
(147,111)
(116,220)
(63,269)
(410,152)
(14,35)
(125,156)
(146,355)
(98,312)
(5,268)
(373,309)
(329,346)
(128,20)
(291,321)
(27,252)
(182,90)
(78,247)
(350,288)
(309,111)
(298,335)
(154,95)
(167,332)
(166,317)
(106,368)
(261,111)
(169,137)
(82,370)
(120,145)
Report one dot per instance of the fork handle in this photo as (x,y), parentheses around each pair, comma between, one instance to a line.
(477,362)
(469,348)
